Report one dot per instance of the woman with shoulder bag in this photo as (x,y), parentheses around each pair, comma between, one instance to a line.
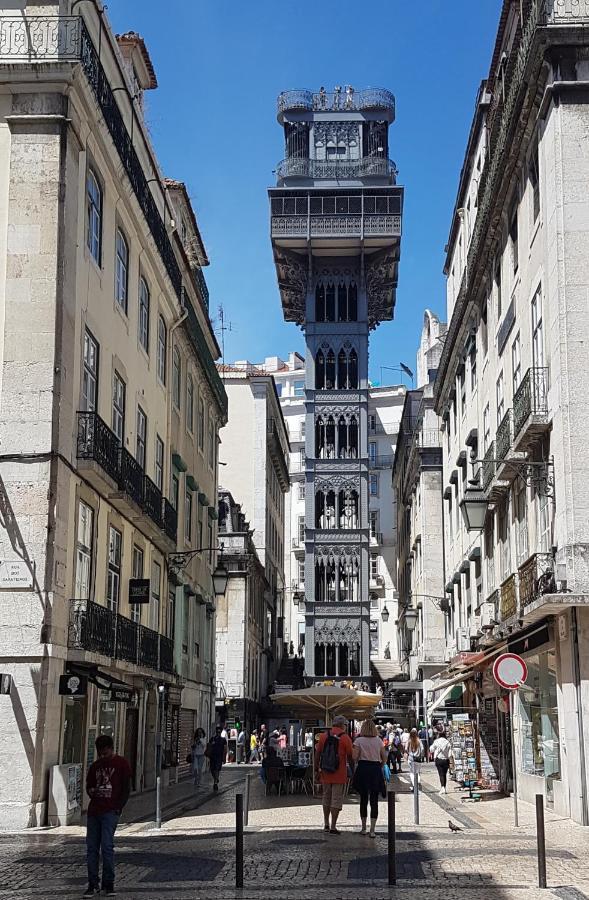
(442,752)
(370,755)
(415,754)
(197,755)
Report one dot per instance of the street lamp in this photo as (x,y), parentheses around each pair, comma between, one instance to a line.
(474,506)
(385,613)
(220,578)
(411,615)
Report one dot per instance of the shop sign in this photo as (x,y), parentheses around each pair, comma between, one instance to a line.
(15,573)
(138,590)
(121,695)
(73,686)
(5,683)
(460,717)
(510,671)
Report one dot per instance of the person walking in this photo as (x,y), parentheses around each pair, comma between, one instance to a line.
(240,746)
(254,747)
(334,751)
(197,755)
(217,754)
(108,784)
(442,751)
(395,752)
(309,739)
(283,739)
(369,755)
(405,740)
(415,754)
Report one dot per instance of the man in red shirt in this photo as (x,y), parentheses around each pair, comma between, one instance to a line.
(108,785)
(333,782)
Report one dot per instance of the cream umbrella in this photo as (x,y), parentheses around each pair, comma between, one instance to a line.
(327,702)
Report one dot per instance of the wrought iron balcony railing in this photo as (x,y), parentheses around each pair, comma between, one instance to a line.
(503,437)
(148,647)
(166,663)
(337,169)
(127,643)
(97,442)
(488,466)
(371,98)
(531,397)
(540,564)
(37,39)
(336,226)
(131,478)
(170,518)
(203,286)
(508,604)
(153,501)
(92,627)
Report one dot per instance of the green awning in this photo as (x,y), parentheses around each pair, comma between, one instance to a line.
(192,483)
(178,462)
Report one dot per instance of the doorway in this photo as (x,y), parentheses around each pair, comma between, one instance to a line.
(131,737)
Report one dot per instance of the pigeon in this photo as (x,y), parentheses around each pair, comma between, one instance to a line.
(452,826)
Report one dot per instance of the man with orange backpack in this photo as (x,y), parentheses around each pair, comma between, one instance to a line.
(333,753)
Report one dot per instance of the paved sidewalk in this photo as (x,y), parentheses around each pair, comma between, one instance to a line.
(289,857)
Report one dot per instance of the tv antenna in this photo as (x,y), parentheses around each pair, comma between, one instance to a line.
(224,326)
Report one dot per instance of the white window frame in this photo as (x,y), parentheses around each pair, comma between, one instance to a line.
(121,270)
(143,314)
(176,378)
(113,577)
(91,360)
(537,330)
(162,339)
(155,611)
(84,551)
(141,438)
(119,399)
(500,397)
(516,363)
(190,403)
(159,462)
(94,207)
(201,424)
(188,504)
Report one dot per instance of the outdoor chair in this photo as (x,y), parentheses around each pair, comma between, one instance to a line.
(275,777)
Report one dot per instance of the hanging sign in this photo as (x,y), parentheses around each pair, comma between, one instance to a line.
(73,685)
(121,694)
(138,590)
(510,671)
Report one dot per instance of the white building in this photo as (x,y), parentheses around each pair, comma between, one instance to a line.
(511,391)
(384,411)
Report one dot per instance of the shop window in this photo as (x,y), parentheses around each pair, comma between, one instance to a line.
(540,734)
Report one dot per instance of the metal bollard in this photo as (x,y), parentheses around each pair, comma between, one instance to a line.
(541,840)
(246,800)
(391,838)
(239,840)
(416,797)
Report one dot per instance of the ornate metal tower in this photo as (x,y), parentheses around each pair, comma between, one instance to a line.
(336,230)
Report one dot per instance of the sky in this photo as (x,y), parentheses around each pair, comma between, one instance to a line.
(220,65)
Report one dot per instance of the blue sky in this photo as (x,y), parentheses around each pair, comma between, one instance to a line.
(220,65)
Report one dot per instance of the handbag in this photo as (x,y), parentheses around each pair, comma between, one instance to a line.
(386,772)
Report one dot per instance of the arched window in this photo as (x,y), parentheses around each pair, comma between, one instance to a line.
(348,509)
(342,369)
(320,370)
(319,438)
(330,303)
(319,509)
(320,303)
(343,666)
(176,378)
(353,438)
(319,581)
(320,660)
(353,370)
(352,302)
(121,269)
(330,438)
(330,659)
(162,338)
(342,303)
(330,370)
(342,438)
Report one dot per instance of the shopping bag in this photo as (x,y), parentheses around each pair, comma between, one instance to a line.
(386,772)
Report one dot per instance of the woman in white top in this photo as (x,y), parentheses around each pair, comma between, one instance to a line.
(197,752)
(442,751)
(369,755)
(415,753)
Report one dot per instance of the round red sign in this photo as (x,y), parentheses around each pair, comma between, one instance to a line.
(510,671)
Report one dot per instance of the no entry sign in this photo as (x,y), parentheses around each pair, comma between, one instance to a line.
(510,671)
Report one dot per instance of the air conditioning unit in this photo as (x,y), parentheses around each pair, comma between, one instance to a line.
(462,639)
(475,626)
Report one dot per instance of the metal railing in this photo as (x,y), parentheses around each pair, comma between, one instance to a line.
(503,437)
(148,647)
(153,501)
(531,397)
(529,573)
(170,519)
(370,98)
(335,169)
(97,442)
(131,478)
(202,285)
(40,39)
(166,654)
(488,466)
(92,627)
(336,226)
(508,604)
(127,639)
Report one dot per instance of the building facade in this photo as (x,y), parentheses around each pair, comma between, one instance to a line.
(335,229)
(511,392)
(254,456)
(417,485)
(104,310)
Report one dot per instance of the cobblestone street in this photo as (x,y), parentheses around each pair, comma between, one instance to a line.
(287,855)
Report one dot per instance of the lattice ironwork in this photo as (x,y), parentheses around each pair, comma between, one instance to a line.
(39,39)
(503,437)
(508,604)
(97,442)
(127,643)
(531,397)
(92,627)
(131,478)
(153,501)
(170,517)
(367,167)
(148,647)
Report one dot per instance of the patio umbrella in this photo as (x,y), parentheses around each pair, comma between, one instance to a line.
(327,702)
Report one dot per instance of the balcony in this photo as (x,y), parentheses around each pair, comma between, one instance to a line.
(170,519)
(503,437)
(40,39)
(359,226)
(337,169)
(153,502)
(376,537)
(99,448)
(381,462)
(97,629)
(488,467)
(530,408)
(131,477)
(337,101)
(202,285)
(529,575)
(508,602)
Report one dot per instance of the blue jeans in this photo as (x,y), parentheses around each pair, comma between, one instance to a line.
(100,835)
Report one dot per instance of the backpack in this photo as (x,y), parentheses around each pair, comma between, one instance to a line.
(417,755)
(329,759)
(396,741)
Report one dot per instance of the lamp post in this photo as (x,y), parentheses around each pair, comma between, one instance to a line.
(385,613)
(474,506)
(158,756)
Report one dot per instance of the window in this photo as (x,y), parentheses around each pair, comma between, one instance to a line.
(201,424)
(497,284)
(143,318)
(534,179)
(500,399)
(156,577)
(162,337)
(171,617)
(190,404)
(301,530)
(372,423)
(301,571)
(537,331)
(504,543)
(473,368)
(513,237)
(176,377)
(84,551)
(486,427)
(520,491)
(121,270)
(159,462)
(278,388)
(543,522)
(188,516)
(118,407)
(175,491)
(211,441)
(299,388)
(374,566)
(516,363)
(484,329)
(374,485)
(210,541)
(462,385)
(200,525)
(113,579)
(94,216)
(90,374)
(137,572)
(301,490)
(372,451)
(373,523)
(140,452)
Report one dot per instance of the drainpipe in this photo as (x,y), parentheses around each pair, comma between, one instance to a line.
(577,677)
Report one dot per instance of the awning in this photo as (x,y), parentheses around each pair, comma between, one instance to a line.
(446,693)
(327,702)
(385,669)
(103,680)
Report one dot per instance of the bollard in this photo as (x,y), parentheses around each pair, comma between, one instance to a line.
(239,840)
(246,800)
(416,796)
(391,836)
(541,840)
